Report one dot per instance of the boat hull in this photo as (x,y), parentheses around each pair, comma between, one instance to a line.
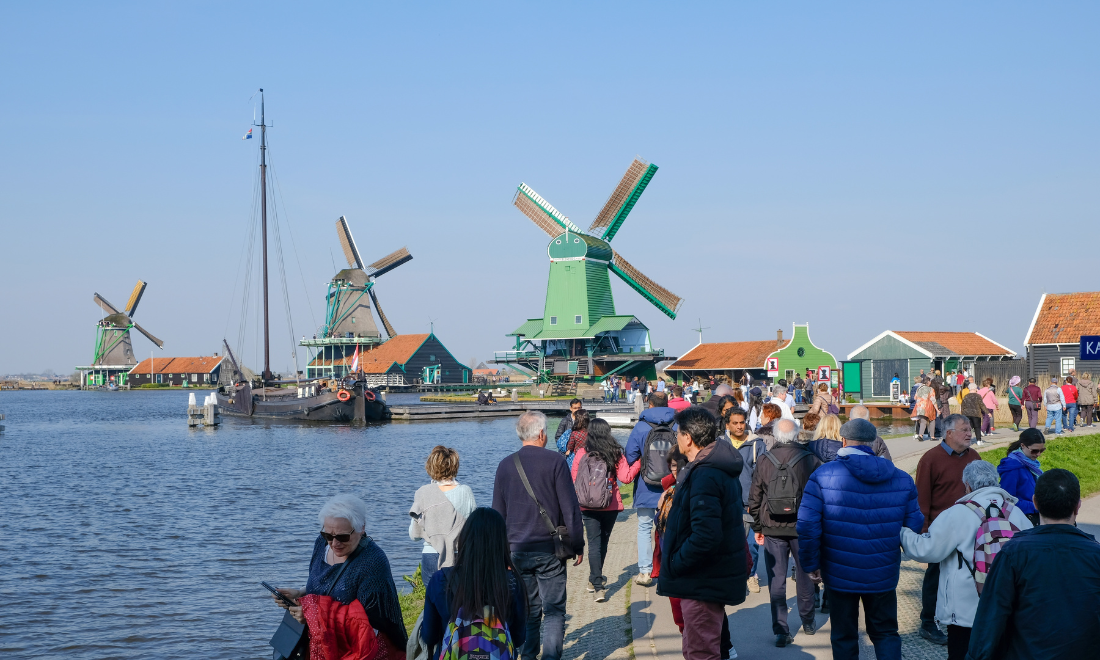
(325,407)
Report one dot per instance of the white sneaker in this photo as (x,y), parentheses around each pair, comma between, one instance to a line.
(601,596)
(591,589)
(644,580)
(754,584)
(733,653)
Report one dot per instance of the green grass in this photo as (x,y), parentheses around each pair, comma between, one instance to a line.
(1078,454)
(412,603)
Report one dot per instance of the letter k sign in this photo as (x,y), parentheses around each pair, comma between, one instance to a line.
(1090,347)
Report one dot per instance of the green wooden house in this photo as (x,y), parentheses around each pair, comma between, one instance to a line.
(799,355)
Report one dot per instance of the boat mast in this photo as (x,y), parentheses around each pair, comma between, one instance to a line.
(263,223)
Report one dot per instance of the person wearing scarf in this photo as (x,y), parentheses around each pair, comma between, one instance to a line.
(1019,470)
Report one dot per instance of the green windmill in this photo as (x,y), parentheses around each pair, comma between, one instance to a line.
(580,335)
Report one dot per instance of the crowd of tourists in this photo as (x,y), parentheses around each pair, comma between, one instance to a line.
(732,496)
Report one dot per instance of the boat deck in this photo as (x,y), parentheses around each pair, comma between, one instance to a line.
(441,411)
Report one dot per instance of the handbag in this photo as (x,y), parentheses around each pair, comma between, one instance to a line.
(563,545)
(291,639)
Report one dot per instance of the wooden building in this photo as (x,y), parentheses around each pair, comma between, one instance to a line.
(177,371)
(1053,340)
(731,359)
(402,360)
(906,353)
(800,355)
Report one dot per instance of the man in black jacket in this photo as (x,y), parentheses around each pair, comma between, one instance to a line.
(776,531)
(1043,591)
(704,541)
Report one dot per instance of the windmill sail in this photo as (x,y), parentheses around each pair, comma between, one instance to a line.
(541,212)
(389,262)
(623,198)
(382,315)
(351,252)
(102,302)
(148,336)
(662,298)
(135,298)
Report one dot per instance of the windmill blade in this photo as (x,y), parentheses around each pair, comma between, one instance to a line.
(385,322)
(351,253)
(389,262)
(665,300)
(623,199)
(548,218)
(148,336)
(135,298)
(102,302)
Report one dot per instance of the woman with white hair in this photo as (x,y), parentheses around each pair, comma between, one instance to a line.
(950,542)
(349,602)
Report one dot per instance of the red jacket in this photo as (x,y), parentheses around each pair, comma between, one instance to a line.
(1070,391)
(1033,393)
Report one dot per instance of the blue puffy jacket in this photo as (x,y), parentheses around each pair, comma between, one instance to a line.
(645,496)
(850,520)
(1018,481)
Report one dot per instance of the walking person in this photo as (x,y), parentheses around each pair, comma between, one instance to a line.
(925,413)
(823,401)
(939,485)
(1069,390)
(654,425)
(536,503)
(482,584)
(1086,398)
(950,544)
(439,510)
(973,408)
(1015,401)
(1042,593)
(989,400)
(826,441)
(752,449)
(848,527)
(879,445)
(1054,400)
(703,562)
(774,496)
(598,467)
(1019,470)
(1033,401)
(798,385)
(566,422)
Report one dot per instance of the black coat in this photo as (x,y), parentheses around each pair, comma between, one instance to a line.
(703,549)
(763,520)
(1041,598)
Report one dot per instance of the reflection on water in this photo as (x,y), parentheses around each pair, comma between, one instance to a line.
(126,534)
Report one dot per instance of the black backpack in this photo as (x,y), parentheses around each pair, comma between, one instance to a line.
(784,489)
(658,443)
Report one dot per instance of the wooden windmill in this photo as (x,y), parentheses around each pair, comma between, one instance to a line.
(112,344)
(347,310)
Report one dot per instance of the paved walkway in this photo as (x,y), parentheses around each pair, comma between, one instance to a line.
(656,637)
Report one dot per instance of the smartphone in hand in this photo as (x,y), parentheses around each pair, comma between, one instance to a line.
(278,594)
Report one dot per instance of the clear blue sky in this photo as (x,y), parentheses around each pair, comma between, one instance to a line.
(912,167)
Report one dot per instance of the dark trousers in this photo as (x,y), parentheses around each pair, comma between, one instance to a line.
(976,427)
(777,552)
(958,642)
(597,532)
(1017,414)
(929,589)
(880,615)
(1087,414)
(702,629)
(1032,414)
(544,577)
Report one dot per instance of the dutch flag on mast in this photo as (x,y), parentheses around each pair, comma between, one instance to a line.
(355,361)
(248,136)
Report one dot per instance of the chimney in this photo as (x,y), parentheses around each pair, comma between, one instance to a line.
(779,338)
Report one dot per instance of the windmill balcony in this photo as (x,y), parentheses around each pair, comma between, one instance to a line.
(512,356)
(340,341)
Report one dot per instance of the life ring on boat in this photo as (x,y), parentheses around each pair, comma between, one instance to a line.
(368,395)
(343,395)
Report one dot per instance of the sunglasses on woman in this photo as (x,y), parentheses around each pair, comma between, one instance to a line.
(329,538)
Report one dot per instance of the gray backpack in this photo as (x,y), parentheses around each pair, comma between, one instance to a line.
(593,485)
(784,489)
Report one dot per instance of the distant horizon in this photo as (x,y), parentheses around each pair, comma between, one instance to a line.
(858,168)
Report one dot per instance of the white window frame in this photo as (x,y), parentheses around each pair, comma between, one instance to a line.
(1068,364)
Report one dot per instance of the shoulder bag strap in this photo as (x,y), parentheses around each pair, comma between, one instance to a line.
(527,484)
(340,571)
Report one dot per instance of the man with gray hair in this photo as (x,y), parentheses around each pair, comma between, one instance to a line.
(776,491)
(534,492)
(951,538)
(879,445)
(779,397)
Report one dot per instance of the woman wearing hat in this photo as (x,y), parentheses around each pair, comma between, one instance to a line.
(1015,401)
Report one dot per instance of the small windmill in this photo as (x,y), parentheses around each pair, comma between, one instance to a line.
(112,344)
(347,311)
(579,290)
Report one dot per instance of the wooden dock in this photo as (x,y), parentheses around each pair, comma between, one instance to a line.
(443,411)
(879,409)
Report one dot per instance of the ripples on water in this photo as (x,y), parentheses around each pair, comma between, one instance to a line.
(125,534)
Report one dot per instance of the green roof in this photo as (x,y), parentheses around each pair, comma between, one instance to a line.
(609,324)
(571,331)
(529,329)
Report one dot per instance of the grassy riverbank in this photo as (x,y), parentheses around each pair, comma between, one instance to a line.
(1080,454)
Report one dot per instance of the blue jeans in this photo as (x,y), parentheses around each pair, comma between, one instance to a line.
(645,539)
(544,577)
(429,561)
(1071,416)
(798,396)
(1056,417)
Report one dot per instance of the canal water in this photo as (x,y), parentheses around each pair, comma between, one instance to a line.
(124,534)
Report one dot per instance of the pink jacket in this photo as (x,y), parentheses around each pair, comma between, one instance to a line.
(678,403)
(989,398)
(623,472)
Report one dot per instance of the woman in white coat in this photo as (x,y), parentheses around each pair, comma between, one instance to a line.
(953,533)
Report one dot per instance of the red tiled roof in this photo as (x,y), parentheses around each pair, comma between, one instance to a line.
(486,372)
(1063,317)
(728,355)
(962,343)
(179,365)
(399,349)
